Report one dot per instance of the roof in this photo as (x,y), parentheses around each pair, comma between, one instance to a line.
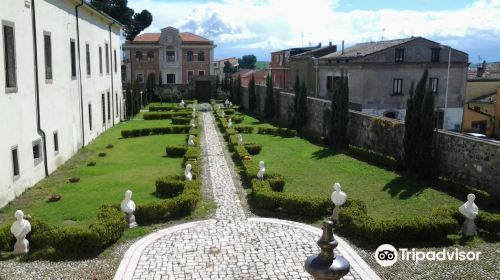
(294,51)
(317,52)
(364,49)
(186,38)
(486,98)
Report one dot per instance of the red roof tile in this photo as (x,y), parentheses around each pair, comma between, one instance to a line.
(186,37)
(147,37)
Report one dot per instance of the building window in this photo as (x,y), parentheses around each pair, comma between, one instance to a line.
(56,142)
(331,82)
(170,78)
(170,56)
(201,56)
(37,151)
(201,73)
(434,84)
(100,60)
(10,56)
(138,56)
(397,86)
(116,103)
(151,56)
(190,56)
(48,56)
(400,55)
(15,163)
(87,54)
(116,62)
(103,105)
(107,58)
(140,78)
(109,107)
(73,58)
(435,54)
(90,117)
(190,75)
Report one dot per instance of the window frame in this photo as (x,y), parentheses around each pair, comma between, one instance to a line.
(201,72)
(150,56)
(431,84)
(189,56)
(107,57)
(116,62)
(435,54)
(201,55)
(109,105)
(399,55)
(189,78)
(49,71)
(101,68)
(167,57)
(56,141)
(138,56)
(72,48)
(103,107)
(12,88)
(171,75)
(15,163)
(397,84)
(39,159)
(87,59)
(90,116)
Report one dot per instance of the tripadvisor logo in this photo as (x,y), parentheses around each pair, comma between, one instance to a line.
(387,255)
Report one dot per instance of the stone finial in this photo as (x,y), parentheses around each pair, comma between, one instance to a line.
(187,172)
(230,104)
(469,210)
(20,228)
(230,123)
(262,170)
(338,198)
(193,123)
(191,140)
(182,104)
(226,102)
(240,139)
(128,206)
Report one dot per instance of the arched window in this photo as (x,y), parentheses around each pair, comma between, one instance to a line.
(190,56)
(151,56)
(138,56)
(201,56)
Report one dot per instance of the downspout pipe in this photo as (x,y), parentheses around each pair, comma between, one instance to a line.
(80,87)
(111,55)
(37,90)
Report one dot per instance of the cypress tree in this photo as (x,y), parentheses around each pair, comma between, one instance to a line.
(160,81)
(150,88)
(340,114)
(231,89)
(418,98)
(128,102)
(302,107)
(269,106)
(425,151)
(409,139)
(237,90)
(251,95)
(296,91)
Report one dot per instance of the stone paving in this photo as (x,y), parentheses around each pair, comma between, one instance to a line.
(230,246)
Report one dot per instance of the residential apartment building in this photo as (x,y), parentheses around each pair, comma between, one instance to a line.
(247,74)
(482,107)
(279,65)
(173,57)
(304,65)
(219,66)
(60,86)
(380,75)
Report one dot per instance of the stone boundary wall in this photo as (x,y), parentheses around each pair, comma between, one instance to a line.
(469,160)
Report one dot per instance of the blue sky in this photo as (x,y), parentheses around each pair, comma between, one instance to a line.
(240,27)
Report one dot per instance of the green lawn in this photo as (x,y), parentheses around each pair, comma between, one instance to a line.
(133,164)
(312,170)
(251,121)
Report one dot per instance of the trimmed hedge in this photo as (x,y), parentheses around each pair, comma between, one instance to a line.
(244,129)
(372,157)
(235,119)
(283,132)
(176,151)
(276,181)
(166,115)
(193,131)
(192,153)
(165,108)
(176,129)
(181,120)
(229,111)
(253,148)
(169,186)
(489,222)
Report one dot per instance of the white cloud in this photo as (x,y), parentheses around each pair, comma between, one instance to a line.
(268,25)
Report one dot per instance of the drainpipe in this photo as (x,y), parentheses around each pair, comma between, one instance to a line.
(80,70)
(111,55)
(37,90)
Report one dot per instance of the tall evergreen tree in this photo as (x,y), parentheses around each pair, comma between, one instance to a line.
(413,124)
(150,88)
(237,91)
(269,105)
(340,114)
(296,91)
(409,139)
(301,106)
(231,89)
(128,102)
(160,80)
(252,99)
(425,150)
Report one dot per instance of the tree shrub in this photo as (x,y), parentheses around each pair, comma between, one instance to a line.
(235,119)
(253,148)
(181,120)
(5,238)
(244,129)
(76,241)
(176,151)
(192,153)
(489,222)
(169,187)
(372,157)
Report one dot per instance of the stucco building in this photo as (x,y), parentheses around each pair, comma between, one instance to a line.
(172,56)
(49,114)
(219,66)
(380,75)
(280,63)
(482,107)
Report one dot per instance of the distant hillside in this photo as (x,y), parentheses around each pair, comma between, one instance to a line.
(261,65)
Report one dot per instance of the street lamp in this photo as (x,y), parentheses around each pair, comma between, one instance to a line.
(447,84)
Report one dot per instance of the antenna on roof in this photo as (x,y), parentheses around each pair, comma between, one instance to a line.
(383,29)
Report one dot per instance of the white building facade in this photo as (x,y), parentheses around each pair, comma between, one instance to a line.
(48,114)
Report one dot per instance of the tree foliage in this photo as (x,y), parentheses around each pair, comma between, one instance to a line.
(237,91)
(340,114)
(134,22)
(252,99)
(150,88)
(269,105)
(228,69)
(247,62)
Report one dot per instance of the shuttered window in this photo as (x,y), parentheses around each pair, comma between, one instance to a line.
(10,57)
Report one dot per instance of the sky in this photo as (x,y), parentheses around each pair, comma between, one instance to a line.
(259,27)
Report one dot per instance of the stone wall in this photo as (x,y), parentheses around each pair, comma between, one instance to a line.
(464,159)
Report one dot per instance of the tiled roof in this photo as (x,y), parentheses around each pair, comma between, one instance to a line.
(487,98)
(318,52)
(363,49)
(186,37)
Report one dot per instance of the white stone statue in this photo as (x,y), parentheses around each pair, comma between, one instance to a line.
(193,123)
(187,172)
(230,123)
(240,139)
(194,113)
(191,140)
(223,114)
(128,206)
(182,104)
(470,211)
(230,104)
(262,170)
(20,228)
(338,198)
(226,103)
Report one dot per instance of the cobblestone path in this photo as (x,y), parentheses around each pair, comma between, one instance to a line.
(230,246)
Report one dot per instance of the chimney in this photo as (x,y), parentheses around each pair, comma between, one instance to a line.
(481,69)
(330,43)
(342,46)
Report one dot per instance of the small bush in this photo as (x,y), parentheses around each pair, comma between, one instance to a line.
(176,129)
(283,132)
(229,111)
(102,154)
(241,151)
(5,238)
(192,153)
(372,157)
(91,163)
(253,148)
(176,151)
(276,181)
(230,131)
(76,241)
(236,119)
(109,146)
(181,120)
(74,179)
(169,187)
(157,116)
(244,129)
(489,222)
(41,235)
(193,131)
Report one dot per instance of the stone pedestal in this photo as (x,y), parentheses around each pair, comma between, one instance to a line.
(335,215)
(21,247)
(326,265)
(131,221)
